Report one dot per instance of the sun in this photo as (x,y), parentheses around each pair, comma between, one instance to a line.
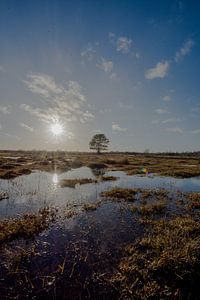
(57,129)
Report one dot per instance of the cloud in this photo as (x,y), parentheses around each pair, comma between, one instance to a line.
(0,126)
(43,85)
(159,71)
(25,126)
(167,98)
(1,68)
(5,109)
(61,101)
(184,50)
(88,52)
(105,65)
(116,127)
(175,129)
(124,44)
(196,131)
(171,120)
(161,111)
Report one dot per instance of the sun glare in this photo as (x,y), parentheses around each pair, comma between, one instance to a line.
(57,129)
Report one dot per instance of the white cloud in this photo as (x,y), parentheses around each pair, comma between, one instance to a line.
(171,120)
(184,50)
(1,68)
(64,101)
(88,52)
(43,85)
(196,131)
(161,111)
(105,65)
(175,129)
(124,44)
(116,127)
(5,109)
(159,71)
(167,98)
(25,126)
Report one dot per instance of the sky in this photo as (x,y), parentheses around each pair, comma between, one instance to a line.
(128,69)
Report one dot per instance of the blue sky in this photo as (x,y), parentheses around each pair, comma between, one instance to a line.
(129,69)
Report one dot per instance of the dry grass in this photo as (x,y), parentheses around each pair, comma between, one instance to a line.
(90,206)
(194,201)
(73,182)
(109,178)
(120,194)
(177,166)
(164,264)
(25,227)
(3,196)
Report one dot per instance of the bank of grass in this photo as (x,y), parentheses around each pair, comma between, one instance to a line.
(26,226)
(120,194)
(158,207)
(164,264)
(108,178)
(194,201)
(73,182)
(91,206)
(180,166)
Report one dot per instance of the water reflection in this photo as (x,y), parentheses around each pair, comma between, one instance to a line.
(28,193)
(55,179)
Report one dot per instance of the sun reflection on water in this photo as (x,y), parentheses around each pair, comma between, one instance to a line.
(55,179)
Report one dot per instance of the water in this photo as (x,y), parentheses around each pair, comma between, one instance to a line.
(87,245)
(29,193)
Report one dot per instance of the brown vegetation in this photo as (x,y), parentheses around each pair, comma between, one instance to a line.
(26,226)
(162,265)
(120,194)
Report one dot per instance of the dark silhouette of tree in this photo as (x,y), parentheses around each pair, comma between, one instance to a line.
(99,142)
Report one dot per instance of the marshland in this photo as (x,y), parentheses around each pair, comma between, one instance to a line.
(107,226)
(99,150)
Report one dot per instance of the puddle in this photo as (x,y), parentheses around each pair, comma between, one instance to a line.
(28,193)
(69,254)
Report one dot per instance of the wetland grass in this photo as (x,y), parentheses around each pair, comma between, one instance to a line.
(73,182)
(26,226)
(120,194)
(164,264)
